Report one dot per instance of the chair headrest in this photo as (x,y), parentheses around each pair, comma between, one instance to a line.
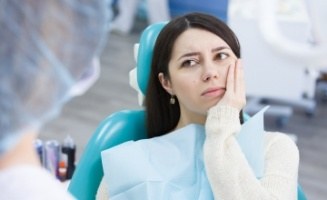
(145,53)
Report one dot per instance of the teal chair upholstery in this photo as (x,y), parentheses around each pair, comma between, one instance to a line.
(115,129)
(118,127)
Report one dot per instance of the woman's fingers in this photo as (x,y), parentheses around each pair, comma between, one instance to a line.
(240,83)
(230,83)
(239,77)
(235,87)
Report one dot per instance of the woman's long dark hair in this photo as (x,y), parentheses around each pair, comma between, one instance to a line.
(161,116)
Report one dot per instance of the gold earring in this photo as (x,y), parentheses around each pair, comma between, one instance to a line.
(172,100)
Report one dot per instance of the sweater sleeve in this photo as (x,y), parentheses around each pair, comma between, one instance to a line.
(228,171)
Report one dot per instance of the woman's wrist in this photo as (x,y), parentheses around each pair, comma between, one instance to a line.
(222,117)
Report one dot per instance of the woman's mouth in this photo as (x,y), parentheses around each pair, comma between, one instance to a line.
(213,92)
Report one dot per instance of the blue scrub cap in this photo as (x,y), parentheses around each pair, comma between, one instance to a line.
(46,47)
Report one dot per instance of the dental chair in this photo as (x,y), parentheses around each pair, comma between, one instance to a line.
(119,127)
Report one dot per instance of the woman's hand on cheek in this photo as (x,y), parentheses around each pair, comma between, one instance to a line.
(235,87)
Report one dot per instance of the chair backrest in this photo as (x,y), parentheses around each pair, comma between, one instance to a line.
(119,127)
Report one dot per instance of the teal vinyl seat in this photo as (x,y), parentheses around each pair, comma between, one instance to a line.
(119,127)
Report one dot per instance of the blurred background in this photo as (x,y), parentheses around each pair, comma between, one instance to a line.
(294,86)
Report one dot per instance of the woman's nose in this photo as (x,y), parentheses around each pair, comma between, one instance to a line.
(210,71)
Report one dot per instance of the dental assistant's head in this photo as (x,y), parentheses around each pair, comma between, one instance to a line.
(191,59)
(48,53)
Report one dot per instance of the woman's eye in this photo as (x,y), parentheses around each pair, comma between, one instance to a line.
(189,63)
(222,56)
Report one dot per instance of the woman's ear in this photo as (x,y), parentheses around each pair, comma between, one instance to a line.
(165,83)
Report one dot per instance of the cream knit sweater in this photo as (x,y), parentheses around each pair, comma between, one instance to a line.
(228,171)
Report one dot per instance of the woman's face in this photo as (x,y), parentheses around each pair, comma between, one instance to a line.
(198,70)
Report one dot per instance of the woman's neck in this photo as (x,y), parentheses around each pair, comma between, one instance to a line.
(185,120)
(22,154)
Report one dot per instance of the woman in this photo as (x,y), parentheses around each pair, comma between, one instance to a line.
(197,78)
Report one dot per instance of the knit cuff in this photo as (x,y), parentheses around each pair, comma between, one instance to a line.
(223,117)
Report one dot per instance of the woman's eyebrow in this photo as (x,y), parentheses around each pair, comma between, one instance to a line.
(197,53)
(188,55)
(220,48)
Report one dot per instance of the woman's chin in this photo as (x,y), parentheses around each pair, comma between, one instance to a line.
(214,102)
